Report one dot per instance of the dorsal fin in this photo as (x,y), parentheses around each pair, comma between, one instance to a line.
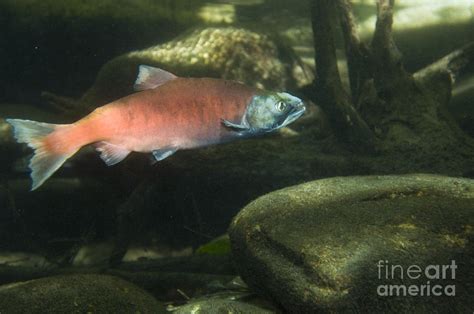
(150,77)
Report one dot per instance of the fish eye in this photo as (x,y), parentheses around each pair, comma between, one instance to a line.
(280,106)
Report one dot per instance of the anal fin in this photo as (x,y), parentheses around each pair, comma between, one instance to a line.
(111,154)
(163,153)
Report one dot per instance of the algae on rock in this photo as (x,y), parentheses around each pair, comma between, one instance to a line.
(77,294)
(222,52)
(316,246)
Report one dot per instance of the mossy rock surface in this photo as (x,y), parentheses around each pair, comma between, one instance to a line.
(77,294)
(316,246)
(217,246)
(221,52)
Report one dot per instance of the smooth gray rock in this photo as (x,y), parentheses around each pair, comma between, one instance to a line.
(226,302)
(316,246)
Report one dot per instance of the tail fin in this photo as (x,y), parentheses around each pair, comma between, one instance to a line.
(44,161)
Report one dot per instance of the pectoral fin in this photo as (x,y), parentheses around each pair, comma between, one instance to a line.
(111,154)
(234,126)
(163,153)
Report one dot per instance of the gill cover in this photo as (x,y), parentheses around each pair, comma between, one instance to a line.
(268,111)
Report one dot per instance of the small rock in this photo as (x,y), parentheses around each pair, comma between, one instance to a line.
(329,245)
(226,302)
(77,294)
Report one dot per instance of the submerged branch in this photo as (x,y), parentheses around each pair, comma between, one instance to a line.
(452,64)
(383,45)
(323,15)
(389,71)
(67,106)
(330,93)
(441,75)
(357,53)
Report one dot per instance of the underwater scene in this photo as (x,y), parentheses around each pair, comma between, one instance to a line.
(236,156)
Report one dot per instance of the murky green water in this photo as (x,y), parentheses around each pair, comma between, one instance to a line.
(375,106)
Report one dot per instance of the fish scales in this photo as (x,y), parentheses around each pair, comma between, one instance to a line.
(168,113)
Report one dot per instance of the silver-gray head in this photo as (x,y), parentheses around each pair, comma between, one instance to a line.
(267,112)
(270,111)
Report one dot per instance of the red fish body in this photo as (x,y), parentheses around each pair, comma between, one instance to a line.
(183,113)
(168,114)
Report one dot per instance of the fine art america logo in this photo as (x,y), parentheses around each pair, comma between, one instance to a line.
(425,281)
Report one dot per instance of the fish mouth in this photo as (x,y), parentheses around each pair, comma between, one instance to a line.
(297,111)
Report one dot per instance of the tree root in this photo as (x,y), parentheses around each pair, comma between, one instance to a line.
(401,114)
(453,64)
(330,93)
(359,56)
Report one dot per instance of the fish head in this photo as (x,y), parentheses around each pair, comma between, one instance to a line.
(269,111)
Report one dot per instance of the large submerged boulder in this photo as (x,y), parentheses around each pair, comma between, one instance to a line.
(331,245)
(223,52)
